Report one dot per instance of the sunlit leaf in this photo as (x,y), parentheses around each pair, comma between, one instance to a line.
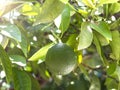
(85,37)
(7,6)
(6,64)
(107,1)
(30,9)
(103,29)
(89,3)
(19,60)
(114,8)
(83,12)
(11,30)
(50,10)
(3,41)
(64,1)
(40,53)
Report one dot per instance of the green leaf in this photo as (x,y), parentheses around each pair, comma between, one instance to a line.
(84,71)
(99,49)
(102,39)
(115,24)
(93,62)
(24,44)
(107,1)
(30,9)
(111,83)
(62,22)
(103,29)
(11,31)
(118,72)
(83,12)
(49,11)
(79,84)
(72,42)
(98,46)
(4,41)
(114,8)
(112,68)
(89,3)
(85,37)
(19,60)
(15,51)
(43,71)
(95,83)
(40,53)
(6,64)
(34,83)
(22,80)
(115,44)
(64,1)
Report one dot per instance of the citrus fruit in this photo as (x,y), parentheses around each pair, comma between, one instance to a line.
(61,59)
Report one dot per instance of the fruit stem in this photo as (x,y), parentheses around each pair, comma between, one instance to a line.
(58,38)
(46,26)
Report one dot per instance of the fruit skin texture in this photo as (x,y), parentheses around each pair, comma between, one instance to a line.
(61,59)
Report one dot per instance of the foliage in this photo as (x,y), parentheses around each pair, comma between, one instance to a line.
(28,28)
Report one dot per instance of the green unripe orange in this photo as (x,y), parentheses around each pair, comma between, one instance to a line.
(61,59)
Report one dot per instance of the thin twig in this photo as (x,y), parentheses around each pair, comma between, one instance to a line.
(101,67)
(107,76)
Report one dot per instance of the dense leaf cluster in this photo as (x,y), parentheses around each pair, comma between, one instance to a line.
(28,28)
